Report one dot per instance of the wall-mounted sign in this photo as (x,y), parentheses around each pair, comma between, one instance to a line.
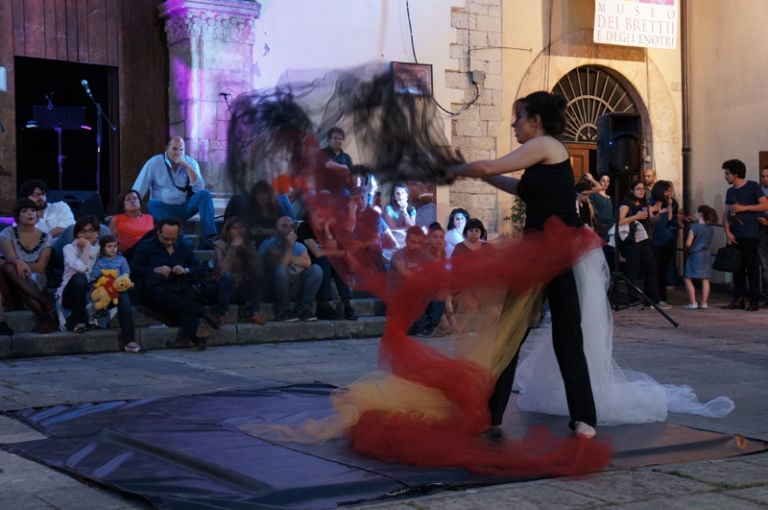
(645,23)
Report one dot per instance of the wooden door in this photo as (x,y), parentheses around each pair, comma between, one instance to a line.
(582,158)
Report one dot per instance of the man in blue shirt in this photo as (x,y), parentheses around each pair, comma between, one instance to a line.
(177,189)
(293,275)
(744,203)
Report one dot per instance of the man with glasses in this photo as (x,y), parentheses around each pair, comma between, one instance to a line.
(165,269)
(177,189)
(53,218)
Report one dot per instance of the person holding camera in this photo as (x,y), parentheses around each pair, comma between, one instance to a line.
(177,189)
(166,273)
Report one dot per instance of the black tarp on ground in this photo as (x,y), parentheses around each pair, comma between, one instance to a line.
(187,452)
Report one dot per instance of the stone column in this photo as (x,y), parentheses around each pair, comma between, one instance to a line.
(210,51)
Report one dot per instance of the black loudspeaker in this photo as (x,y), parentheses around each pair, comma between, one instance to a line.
(81,202)
(619,142)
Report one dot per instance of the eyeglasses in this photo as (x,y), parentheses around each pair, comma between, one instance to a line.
(40,194)
(88,231)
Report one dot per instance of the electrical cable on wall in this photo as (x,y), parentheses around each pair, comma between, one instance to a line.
(416,60)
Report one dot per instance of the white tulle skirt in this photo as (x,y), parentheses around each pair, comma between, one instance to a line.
(621,396)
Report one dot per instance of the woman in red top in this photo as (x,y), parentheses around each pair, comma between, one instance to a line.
(131,224)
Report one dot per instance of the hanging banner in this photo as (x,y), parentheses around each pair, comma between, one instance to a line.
(644,23)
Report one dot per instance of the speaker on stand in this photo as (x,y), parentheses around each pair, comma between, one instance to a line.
(619,155)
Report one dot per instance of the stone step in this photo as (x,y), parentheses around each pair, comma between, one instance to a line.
(24,320)
(26,344)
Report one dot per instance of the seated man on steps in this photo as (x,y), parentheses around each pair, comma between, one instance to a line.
(177,189)
(291,273)
(166,273)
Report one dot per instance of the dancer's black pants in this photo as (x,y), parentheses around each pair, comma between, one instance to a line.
(568,343)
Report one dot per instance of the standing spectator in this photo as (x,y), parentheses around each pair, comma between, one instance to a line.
(744,203)
(699,262)
(291,272)
(53,218)
(177,189)
(664,215)
(763,249)
(337,177)
(408,260)
(27,250)
(583,204)
(649,179)
(636,248)
(130,225)
(603,206)
(399,214)
(238,267)
(260,209)
(79,257)
(166,271)
(456,223)
(110,258)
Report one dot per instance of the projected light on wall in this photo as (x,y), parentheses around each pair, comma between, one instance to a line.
(412,79)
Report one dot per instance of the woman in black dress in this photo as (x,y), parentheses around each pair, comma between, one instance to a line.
(547,188)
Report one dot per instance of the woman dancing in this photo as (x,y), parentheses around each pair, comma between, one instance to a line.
(547,188)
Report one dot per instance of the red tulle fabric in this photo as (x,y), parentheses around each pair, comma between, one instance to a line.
(455,440)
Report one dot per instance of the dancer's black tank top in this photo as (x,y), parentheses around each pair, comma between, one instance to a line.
(548,190)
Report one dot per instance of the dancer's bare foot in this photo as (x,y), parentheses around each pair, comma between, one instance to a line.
(584,430)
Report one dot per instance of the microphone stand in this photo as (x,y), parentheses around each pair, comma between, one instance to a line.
(99,116)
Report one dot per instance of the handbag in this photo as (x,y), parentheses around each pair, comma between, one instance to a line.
(727,259)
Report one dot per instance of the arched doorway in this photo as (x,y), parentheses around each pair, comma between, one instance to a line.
(590,91)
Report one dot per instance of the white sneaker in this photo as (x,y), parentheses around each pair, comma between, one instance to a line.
(663,305)
(693,306)
(703,306)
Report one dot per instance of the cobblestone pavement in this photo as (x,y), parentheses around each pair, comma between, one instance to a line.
(717,352)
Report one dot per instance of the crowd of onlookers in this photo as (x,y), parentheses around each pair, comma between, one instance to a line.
(289,244)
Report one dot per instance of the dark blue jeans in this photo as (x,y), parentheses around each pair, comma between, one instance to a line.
(249,291)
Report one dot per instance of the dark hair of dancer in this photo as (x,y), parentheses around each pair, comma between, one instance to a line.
(550,107)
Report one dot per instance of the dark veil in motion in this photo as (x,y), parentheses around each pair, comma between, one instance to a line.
(399,136)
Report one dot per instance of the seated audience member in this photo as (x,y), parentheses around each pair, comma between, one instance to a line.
(475,237)
(79,257)
(130,224)
(260,209)
(364,233)
(436,248)
(166,271)
(469,299)
(456,223)
(54,217)
(27,250)
(317,234)
(291,272)
(111,258)
(399,213)
(5,329)
(177,189)
(238,267)
(408,260)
